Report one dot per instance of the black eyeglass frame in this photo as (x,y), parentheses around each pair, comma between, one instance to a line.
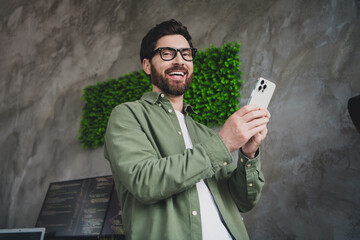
(193,52)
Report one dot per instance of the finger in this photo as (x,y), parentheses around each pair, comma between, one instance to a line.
(246,109)
(257,122)
(258,138)
(255,114)
(252,132)
(262,108)
(264,132)
(267,112)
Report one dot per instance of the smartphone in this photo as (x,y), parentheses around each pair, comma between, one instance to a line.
(262,92)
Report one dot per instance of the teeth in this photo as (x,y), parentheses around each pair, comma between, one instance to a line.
(177,73)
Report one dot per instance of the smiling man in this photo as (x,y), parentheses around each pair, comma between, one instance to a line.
(177,77)
(176,178)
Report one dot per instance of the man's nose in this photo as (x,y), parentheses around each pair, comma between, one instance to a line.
(178,59)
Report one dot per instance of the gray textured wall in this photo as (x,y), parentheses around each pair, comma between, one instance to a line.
(50,50)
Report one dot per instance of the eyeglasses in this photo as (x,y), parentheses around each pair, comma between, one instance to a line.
(168,53)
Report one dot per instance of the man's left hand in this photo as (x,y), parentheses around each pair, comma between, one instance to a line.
(250,148)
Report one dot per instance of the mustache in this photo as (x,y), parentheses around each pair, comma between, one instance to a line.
(176,68)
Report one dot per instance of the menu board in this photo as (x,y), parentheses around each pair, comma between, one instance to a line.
(77,207)
(113,222)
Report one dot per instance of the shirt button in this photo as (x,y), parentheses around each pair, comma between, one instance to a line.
(225,163)
(159,104)
(250,184)
(194,213)
(241,160)
(249,165)
(162,95)
(170,110)
(179,132)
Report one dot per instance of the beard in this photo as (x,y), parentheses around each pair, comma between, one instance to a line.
(167,85)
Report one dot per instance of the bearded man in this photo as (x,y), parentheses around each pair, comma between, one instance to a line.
(175,177)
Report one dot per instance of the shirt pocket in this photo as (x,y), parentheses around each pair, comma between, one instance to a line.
(261,176)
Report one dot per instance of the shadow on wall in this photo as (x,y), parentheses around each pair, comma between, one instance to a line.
(354,111)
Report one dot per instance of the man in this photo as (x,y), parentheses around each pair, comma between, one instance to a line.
(175,178)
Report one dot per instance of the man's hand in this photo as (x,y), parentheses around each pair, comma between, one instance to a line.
(246,129)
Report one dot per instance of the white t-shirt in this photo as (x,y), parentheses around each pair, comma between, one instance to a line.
(211,224)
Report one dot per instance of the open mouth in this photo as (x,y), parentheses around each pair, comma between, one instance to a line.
(178,74)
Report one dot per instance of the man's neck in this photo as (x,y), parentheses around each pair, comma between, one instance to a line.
(176,101)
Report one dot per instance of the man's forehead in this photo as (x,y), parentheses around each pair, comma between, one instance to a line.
(174,41)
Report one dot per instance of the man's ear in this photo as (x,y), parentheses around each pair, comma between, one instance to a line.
(146,66)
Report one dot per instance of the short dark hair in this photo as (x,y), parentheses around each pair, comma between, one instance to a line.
(170,27)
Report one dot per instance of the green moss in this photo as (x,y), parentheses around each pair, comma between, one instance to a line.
(214,93)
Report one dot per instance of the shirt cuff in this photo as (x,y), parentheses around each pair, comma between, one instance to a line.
(218,152)
(255,162)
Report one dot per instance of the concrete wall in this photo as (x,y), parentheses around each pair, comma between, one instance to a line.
(51,50)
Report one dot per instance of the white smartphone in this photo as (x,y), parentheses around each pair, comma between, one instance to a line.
(262,93)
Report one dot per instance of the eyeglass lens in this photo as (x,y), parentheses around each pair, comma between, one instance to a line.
(170,53)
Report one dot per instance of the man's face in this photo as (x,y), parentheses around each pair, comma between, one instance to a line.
(171,77)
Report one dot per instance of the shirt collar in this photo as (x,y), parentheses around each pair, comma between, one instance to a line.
(151,97)
(154,97)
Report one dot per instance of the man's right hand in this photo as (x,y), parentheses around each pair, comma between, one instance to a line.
(242,125)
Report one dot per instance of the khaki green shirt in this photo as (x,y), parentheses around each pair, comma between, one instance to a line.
(155,176)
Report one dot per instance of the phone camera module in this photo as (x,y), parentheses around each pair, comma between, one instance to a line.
(262,86)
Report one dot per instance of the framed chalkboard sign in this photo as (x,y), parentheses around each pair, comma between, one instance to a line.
(81,208)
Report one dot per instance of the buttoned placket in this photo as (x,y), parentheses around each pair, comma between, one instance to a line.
(167,106)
